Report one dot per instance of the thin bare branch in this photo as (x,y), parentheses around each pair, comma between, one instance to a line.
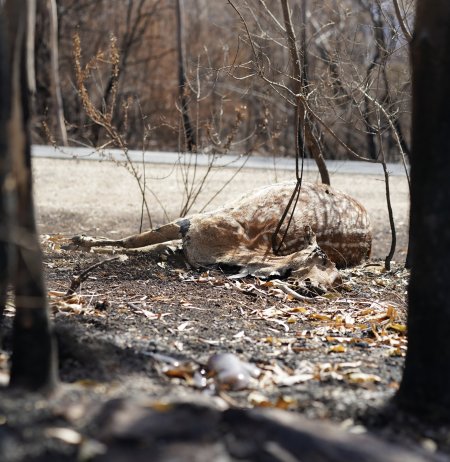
(402,21)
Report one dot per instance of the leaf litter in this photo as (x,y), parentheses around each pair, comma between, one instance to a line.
(136,326)
(252,342)
(367,313)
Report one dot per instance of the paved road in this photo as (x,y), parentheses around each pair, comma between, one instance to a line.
(255,162)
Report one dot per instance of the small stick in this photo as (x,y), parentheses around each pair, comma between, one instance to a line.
(287,290)
(77,280)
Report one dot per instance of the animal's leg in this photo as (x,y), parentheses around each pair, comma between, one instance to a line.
(165,233)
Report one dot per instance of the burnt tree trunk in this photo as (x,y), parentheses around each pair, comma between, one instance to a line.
(189,133)
(33,359)
(5,248)
(425,389)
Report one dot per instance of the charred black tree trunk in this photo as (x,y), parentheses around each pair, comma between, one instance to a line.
(425,389)
(5,167)
(33,359)
(189,133)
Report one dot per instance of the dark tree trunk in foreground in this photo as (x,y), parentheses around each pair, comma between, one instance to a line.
(425,389)
(5,250)
(33,360)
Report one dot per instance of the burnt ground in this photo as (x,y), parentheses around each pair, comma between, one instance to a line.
(138,336)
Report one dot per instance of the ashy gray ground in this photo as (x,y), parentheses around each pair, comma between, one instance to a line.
(138,336)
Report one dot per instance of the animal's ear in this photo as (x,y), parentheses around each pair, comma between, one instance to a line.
(310,236)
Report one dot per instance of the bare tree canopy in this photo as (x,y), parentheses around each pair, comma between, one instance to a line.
(238,58)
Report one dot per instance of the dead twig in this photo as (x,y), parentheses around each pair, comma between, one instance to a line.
(77,280)
(401,18)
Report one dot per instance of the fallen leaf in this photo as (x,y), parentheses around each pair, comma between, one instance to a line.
(362,377)
(258,399)
(64,434)
(397,327)
(289,380)
(319,317)
(337,349)
(285,402)
(299,309)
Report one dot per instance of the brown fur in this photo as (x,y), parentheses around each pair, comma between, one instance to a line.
(240,234)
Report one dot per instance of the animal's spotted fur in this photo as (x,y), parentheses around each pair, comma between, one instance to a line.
(240,234)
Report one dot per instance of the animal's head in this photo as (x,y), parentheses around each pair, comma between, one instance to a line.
(313,271)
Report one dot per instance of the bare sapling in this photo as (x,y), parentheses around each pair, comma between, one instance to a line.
(104,117)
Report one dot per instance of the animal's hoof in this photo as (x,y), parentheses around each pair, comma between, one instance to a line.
(83,241)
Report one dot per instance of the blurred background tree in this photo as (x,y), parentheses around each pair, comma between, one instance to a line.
(354,59)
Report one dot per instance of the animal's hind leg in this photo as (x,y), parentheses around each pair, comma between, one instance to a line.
(165,233)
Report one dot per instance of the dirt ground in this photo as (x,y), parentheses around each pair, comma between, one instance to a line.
(139,335)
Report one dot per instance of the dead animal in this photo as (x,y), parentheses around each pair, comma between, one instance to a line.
(328,229)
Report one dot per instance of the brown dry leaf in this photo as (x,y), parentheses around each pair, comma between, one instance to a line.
(60,306)
(54,241)
(397,327)
(366,312)
(88,383)
(391,313)
(282,376)
(349,365)
(184,371)
(319,317)
(327,371)
(162,406)
(285,402)
(333,339)
(299,309)
(337,349)
(279,341)
(282,402)
(397,352)
(66,304)
(289,380)
(56,293)
(271,312)
(256,398)
(362,378)
(378,318)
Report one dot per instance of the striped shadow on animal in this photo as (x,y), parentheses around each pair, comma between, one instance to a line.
(329,229)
